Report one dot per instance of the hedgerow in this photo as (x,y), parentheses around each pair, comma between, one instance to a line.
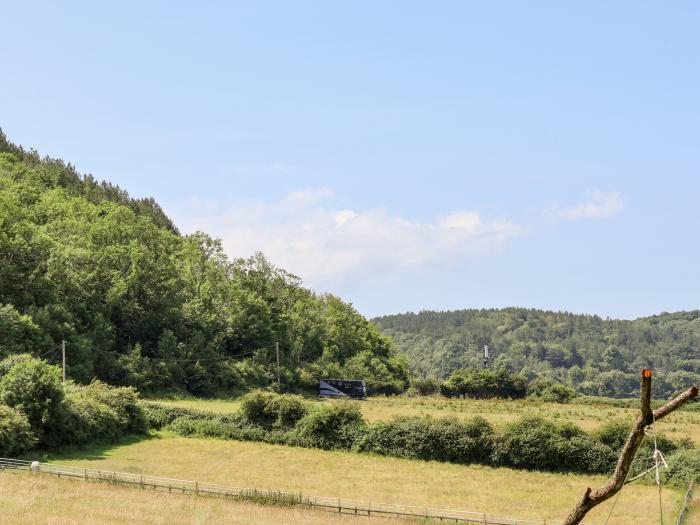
(528,443)
(443,439)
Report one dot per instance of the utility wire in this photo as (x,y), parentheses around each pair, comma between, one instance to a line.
(192,360)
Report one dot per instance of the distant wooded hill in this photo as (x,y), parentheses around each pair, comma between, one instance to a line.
(594,355)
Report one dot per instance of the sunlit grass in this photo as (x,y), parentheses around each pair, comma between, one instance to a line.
(35,499)
(370,478)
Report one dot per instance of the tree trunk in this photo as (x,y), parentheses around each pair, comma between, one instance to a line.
(591,499)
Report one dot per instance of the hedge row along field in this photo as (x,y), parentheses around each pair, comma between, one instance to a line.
(37,410)
(529,443)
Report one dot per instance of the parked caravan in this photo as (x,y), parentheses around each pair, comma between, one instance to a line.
(352,388)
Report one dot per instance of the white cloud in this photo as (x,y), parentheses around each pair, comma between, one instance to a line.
(598,206)
(326,245)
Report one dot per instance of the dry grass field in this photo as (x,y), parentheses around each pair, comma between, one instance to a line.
(499,491)
(39,499)
(497,411)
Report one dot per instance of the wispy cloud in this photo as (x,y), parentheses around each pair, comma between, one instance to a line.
(326,244)
(598,206)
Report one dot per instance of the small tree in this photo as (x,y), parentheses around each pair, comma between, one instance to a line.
(33,387)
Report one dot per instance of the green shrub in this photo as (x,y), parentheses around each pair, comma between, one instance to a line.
(229,427)
(331,425)
(484,383)
(34,388)
(15,432)
(444,439)
(159,416)
(85,420)
(550,391)
(270,410)
(426,386)
(535,443)
(683,467)
(614,434)
(96,412)
(124,401)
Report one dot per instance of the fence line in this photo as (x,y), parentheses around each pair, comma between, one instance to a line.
(338,505)
(686,501)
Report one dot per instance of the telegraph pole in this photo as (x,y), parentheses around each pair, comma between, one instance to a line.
(63,351)
(277,349)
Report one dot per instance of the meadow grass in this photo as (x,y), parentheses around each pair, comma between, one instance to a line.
(497,411)
(36,499)
(500,491)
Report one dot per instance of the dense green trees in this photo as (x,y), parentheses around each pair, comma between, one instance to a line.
(141,305)
(593,355)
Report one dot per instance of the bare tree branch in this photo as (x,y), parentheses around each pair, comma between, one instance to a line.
(591,499)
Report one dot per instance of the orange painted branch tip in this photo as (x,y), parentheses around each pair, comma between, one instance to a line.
(646,373)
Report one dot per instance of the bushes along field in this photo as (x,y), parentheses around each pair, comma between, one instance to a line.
(36,409)
(529,443)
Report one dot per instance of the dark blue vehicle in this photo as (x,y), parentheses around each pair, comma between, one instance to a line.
(352,388)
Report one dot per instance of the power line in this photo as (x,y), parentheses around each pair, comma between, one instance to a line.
(192,360)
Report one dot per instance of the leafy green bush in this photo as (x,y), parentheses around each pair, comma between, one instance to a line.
(550,391)
(614,434)
(218,428)
(270,410)
(444,439)
(331,425)
(425,386)
(85,420)
(484,383)
(124,401)
(535,443)
(33,387)
(15,432)
(683,467)
(159,416)
(96,412)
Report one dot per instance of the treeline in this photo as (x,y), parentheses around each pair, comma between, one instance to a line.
(58,173)
(141,305)
(528,443)
(596,356)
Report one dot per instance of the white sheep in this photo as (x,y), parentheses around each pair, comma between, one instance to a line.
(35,465)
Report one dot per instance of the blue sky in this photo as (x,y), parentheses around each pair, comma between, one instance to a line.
(404,155)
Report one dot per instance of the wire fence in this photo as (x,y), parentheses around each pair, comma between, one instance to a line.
(338,505)
(686,502)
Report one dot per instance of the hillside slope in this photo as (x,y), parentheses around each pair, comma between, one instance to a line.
(596,356)
(139,304)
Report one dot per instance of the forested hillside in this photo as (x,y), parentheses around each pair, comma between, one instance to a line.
(139,304)
(594,355)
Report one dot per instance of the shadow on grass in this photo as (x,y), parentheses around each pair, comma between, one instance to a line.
(90,452)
